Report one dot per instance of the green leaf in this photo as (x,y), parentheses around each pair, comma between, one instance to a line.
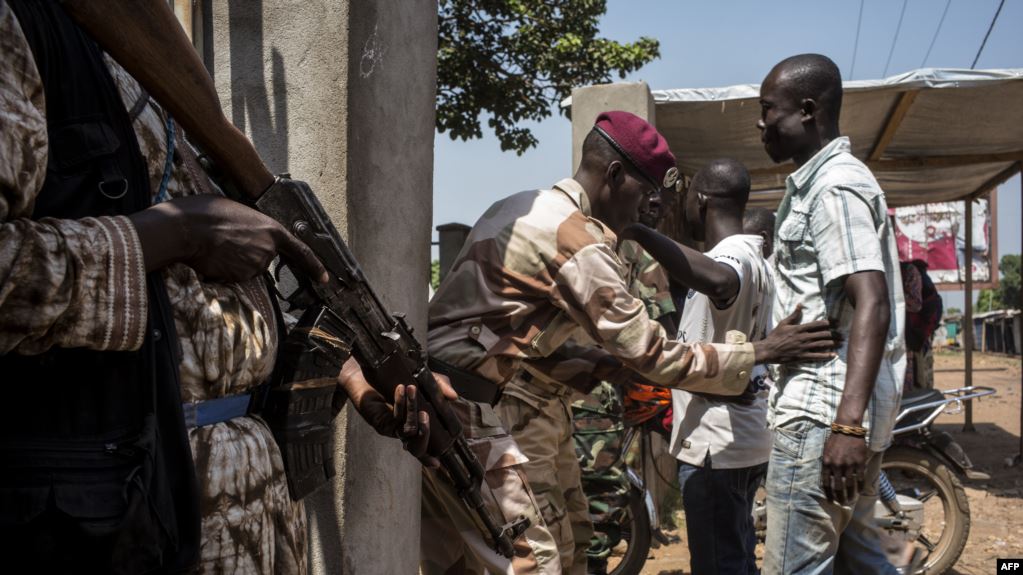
(515,60)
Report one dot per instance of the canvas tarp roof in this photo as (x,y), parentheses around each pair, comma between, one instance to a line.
(929,135)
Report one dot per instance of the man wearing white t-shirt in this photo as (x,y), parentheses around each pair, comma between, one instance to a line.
(723,444)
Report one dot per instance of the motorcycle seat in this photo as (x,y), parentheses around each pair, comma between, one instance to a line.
(920,396)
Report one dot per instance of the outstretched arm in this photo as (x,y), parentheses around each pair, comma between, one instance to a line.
(591,289)
(687,266)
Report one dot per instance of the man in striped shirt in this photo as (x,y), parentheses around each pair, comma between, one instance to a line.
(835,255)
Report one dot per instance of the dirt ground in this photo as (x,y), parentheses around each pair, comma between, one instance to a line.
(996,506)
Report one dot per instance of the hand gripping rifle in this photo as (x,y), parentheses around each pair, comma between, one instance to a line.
(344,317)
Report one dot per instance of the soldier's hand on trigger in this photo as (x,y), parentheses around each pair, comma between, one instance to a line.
(399,419)
(219,238)
(793,342)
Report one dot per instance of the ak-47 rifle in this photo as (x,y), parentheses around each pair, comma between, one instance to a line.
(342,317)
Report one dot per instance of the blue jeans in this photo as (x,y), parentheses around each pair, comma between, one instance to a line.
(719,523)
(806,533)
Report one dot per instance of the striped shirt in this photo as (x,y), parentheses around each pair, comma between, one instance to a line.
(833,222)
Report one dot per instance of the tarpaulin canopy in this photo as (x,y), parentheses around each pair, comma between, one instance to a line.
(929,135)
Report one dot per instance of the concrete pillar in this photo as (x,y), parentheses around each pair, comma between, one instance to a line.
(452,238)
(341,95)
(392,87)
(588,102)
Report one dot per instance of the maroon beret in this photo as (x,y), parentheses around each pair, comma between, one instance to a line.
(641,144)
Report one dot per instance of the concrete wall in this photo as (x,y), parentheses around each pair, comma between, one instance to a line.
(341,95)
(588,103)
(391,86)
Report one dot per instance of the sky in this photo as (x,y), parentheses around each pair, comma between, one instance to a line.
(726,42)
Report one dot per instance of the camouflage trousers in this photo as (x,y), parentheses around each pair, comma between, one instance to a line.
(451,540)
(538,416)
(599,433)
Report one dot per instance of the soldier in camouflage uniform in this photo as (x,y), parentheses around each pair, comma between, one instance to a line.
(537,269)
(538,413)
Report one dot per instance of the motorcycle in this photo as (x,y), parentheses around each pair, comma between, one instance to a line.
(646,412)
(921,500)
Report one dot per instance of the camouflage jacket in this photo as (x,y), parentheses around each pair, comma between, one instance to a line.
(647,280)
(81,283)
(537,270)
(572,364)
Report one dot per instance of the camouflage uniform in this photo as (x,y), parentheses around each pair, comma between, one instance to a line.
(537,413)
(647,280)
(535,271)
(451,541)
(599,429)
(599,433)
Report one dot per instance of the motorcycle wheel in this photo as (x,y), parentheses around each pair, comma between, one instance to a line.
(636,536)
(924,477)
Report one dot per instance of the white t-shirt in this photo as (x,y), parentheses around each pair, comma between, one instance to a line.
(734,435)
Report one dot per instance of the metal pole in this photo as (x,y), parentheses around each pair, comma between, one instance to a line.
(968,312)
(1019,344)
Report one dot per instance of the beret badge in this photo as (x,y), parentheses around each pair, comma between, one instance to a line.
(670,177)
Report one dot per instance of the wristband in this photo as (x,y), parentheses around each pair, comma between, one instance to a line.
(850,430)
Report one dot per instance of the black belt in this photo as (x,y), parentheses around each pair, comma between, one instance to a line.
(468,385)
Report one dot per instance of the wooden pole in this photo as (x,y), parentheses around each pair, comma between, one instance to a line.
(898,114)
(968,312)
(910,163)
(983,332)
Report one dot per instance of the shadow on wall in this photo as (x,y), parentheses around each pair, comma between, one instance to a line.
(250,102)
